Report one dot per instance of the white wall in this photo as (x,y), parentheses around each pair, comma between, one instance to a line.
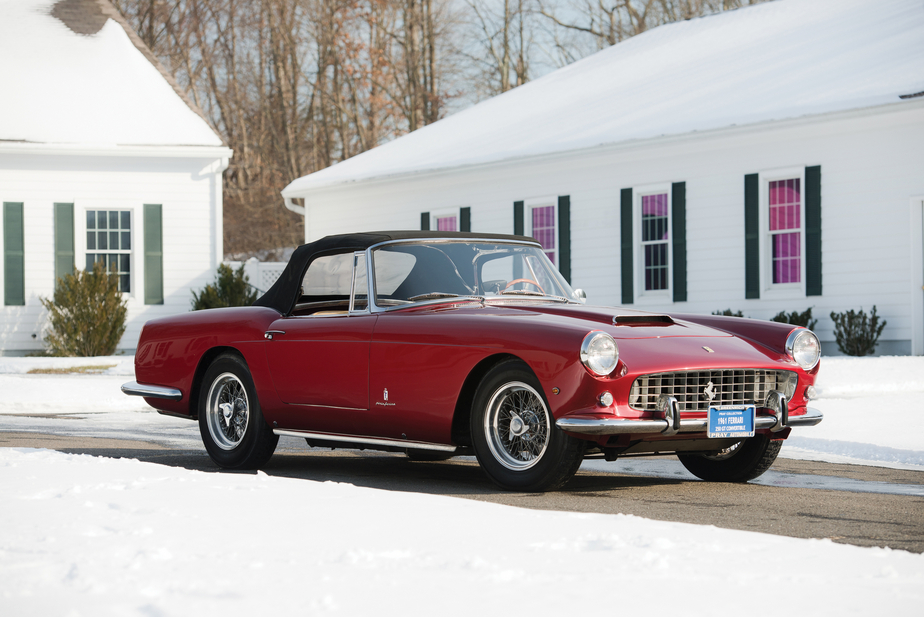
(189,191)
(871,166)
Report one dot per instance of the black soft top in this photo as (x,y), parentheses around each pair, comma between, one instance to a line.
(283,295)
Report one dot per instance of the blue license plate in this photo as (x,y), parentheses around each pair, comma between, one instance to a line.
(731,421)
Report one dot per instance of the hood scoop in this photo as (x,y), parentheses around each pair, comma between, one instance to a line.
(648,320)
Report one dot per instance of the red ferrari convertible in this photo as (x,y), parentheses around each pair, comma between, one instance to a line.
(441,344)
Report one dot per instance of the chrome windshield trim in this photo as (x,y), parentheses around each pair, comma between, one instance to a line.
(133,388)
(414,445)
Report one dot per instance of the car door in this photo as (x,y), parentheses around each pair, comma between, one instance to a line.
(319,355)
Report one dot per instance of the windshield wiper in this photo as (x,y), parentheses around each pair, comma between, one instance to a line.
(521,292)
(436,295)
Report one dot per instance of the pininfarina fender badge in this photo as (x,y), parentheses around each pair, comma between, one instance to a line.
(384,402)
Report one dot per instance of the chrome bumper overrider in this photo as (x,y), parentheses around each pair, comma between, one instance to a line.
(133,388)
(672,424)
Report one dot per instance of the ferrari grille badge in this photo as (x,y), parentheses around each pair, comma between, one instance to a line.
(709,391)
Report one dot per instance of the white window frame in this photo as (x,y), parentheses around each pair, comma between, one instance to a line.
(642,295)
(438,214)
(80,241)
(769,289)
(543,202)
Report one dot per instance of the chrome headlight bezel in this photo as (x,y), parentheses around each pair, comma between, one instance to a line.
(599,353)
(795,348)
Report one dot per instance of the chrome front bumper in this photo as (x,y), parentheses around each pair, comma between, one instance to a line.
(133,388)
(671,424)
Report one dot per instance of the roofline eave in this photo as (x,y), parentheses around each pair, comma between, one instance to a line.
(615,146)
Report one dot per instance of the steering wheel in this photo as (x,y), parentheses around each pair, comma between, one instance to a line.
(527,281)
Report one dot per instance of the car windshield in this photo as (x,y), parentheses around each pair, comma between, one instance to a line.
(420,271)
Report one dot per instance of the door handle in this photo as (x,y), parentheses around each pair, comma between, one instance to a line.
(269,334)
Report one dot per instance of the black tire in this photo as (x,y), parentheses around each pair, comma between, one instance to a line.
(428,455)
(514,434)
(744,461)
(230,421)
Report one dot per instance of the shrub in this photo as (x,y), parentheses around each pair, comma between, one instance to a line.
(857,334)
(231,288)
(797,319)
(728,313)
(86,314)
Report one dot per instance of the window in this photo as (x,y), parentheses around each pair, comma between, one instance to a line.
(109,240)
(655,225)
(542,220)
(785,222)
(447,223)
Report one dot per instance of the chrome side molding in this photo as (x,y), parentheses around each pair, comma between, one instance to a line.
(133,388)
(376,441)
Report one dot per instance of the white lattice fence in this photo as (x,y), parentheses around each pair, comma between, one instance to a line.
(260,274)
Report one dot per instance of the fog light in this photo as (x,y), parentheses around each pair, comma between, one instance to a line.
(606,399)
(810,393)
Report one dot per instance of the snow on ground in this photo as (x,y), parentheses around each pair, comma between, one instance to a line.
(88,536)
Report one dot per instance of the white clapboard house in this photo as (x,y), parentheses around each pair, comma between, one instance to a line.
(101,158)
(765,159)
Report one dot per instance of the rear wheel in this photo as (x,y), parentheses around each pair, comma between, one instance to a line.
(514,435)
(230,421)
(741,462)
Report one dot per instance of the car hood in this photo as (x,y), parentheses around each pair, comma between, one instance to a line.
(624,323)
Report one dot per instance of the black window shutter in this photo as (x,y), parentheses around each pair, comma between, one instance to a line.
(64,240)
(424,221)
(679,239)
(153,254)
(518,218)
(564,236)
(751,237)
(813,231)
(14,270)
(465,219)
(625,232)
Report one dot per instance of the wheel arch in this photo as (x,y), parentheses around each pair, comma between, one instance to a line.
(461,431)
(204,362)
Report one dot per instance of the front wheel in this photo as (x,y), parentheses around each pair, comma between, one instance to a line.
(230,421)
(514,435)
(740,462)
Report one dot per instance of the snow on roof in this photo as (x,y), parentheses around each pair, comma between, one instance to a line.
(773,61)
(70,73)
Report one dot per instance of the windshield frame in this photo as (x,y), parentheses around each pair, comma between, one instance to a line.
(374,306)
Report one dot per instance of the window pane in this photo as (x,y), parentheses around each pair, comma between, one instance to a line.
(787,263)
(91,240)
(544,229)
(101,240)
(91,219)
(447,223)
(101,220)
(785,199)
(126,240)
(656,266)
(654,217)
(114,240)
(125,283)
(330,275)
(90,259)
(113,220)
(124,263)
(126,222)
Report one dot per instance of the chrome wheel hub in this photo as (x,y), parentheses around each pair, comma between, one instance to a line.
(227,411)
(517,426)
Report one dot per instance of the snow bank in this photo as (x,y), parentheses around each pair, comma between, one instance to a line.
(88,536)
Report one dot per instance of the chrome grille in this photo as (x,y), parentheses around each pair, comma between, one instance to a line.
(730,386)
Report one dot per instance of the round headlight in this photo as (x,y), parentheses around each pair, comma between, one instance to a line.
(803,347)
(599,353)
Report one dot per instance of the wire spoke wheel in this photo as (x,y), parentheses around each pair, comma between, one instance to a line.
(517,425)
(228,411)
